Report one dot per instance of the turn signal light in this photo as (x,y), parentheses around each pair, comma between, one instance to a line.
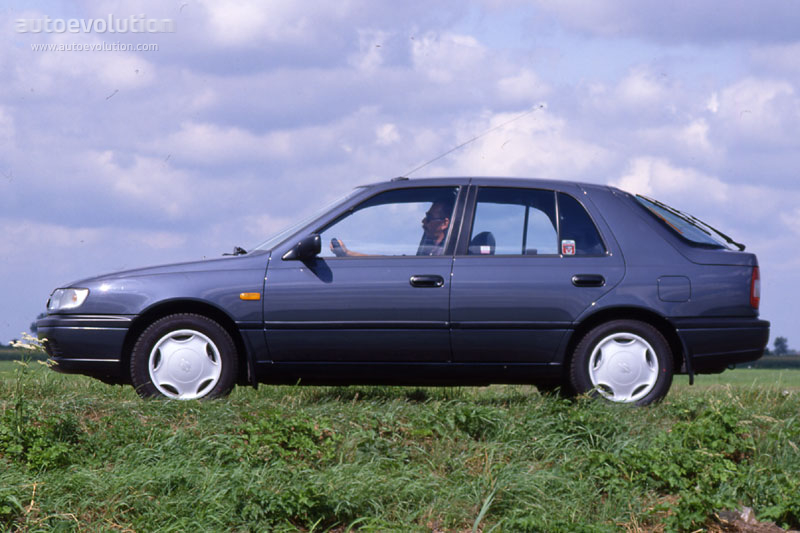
(250,296)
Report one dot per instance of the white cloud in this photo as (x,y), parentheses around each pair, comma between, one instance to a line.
(250,21)
(150,184)
(695,136)
(7,129)
(523,86)
(448,56)
(387,134)
(779,58)
(370,50)
(538,145)
(749,207)
(713,103)
(658,177)
(641,88)
(683,139)
(31,235)
(792,220)
(760,110)
(207,143)
(113,69)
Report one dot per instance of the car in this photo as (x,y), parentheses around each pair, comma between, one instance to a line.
(567,286)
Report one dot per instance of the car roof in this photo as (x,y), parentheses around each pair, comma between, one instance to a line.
(496,181)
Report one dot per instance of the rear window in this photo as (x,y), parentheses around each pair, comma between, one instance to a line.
(687,226)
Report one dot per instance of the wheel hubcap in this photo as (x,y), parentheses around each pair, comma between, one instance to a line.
(623,367)
(184,364)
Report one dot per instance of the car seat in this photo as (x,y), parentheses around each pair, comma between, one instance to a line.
(482,244)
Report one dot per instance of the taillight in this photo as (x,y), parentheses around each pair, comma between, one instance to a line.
(755,289)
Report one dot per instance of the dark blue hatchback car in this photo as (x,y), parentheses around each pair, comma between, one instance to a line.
(429,282)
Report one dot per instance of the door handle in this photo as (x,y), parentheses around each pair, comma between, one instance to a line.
(588,280)
(426,280)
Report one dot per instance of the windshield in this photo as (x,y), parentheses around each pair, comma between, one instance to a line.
(281,236)
(688,226)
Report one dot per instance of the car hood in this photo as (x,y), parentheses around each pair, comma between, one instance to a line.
(253,260)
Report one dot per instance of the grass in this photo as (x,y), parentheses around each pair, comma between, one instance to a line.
(79,455)
(745,377)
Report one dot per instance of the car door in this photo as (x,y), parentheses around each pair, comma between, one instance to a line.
(378,292)
(528,264)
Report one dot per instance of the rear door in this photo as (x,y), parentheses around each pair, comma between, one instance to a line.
(529,262)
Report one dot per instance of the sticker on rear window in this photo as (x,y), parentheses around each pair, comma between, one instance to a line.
(568,247)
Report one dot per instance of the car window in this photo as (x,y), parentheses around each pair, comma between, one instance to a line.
(686,225)
(579,235)
(513,222)
(403,222)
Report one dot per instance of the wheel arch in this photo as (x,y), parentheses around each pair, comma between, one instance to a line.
(628,313)
(197,307)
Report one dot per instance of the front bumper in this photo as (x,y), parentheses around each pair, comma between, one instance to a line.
(714,344)
(86,344)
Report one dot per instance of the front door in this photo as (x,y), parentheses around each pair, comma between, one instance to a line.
(378,292)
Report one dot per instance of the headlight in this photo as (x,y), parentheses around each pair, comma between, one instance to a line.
(66,299)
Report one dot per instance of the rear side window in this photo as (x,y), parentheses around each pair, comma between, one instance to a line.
(688,226)
(513,222)
(510,221)
(577,227)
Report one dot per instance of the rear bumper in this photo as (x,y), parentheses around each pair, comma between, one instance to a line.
(86,344)
(713,344)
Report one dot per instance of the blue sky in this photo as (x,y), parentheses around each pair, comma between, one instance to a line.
(254,112)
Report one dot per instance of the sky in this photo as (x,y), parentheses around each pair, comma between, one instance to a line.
(250,114)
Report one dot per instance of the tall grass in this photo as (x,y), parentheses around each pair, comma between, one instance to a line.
(79,455)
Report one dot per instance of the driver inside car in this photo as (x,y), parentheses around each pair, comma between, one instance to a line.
(435,225)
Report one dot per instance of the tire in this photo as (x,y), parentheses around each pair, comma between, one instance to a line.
(184,357)
(624,361)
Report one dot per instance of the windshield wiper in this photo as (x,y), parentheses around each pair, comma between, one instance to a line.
(237,250)
(739,245)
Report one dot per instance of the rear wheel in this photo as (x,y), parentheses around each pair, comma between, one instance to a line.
(624,361)
(184,357)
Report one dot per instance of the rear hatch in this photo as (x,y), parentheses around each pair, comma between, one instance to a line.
(706,245)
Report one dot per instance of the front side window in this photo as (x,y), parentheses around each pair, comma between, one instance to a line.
(511,221)
(403,222)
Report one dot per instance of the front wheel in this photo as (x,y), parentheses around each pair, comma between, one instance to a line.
(184,357)
(623,361)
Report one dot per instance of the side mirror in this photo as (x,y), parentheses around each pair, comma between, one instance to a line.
(308,248)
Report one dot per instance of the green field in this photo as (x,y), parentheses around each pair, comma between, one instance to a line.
(746,377)
(77,455)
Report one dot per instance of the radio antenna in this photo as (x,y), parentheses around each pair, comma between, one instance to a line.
(490,130)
